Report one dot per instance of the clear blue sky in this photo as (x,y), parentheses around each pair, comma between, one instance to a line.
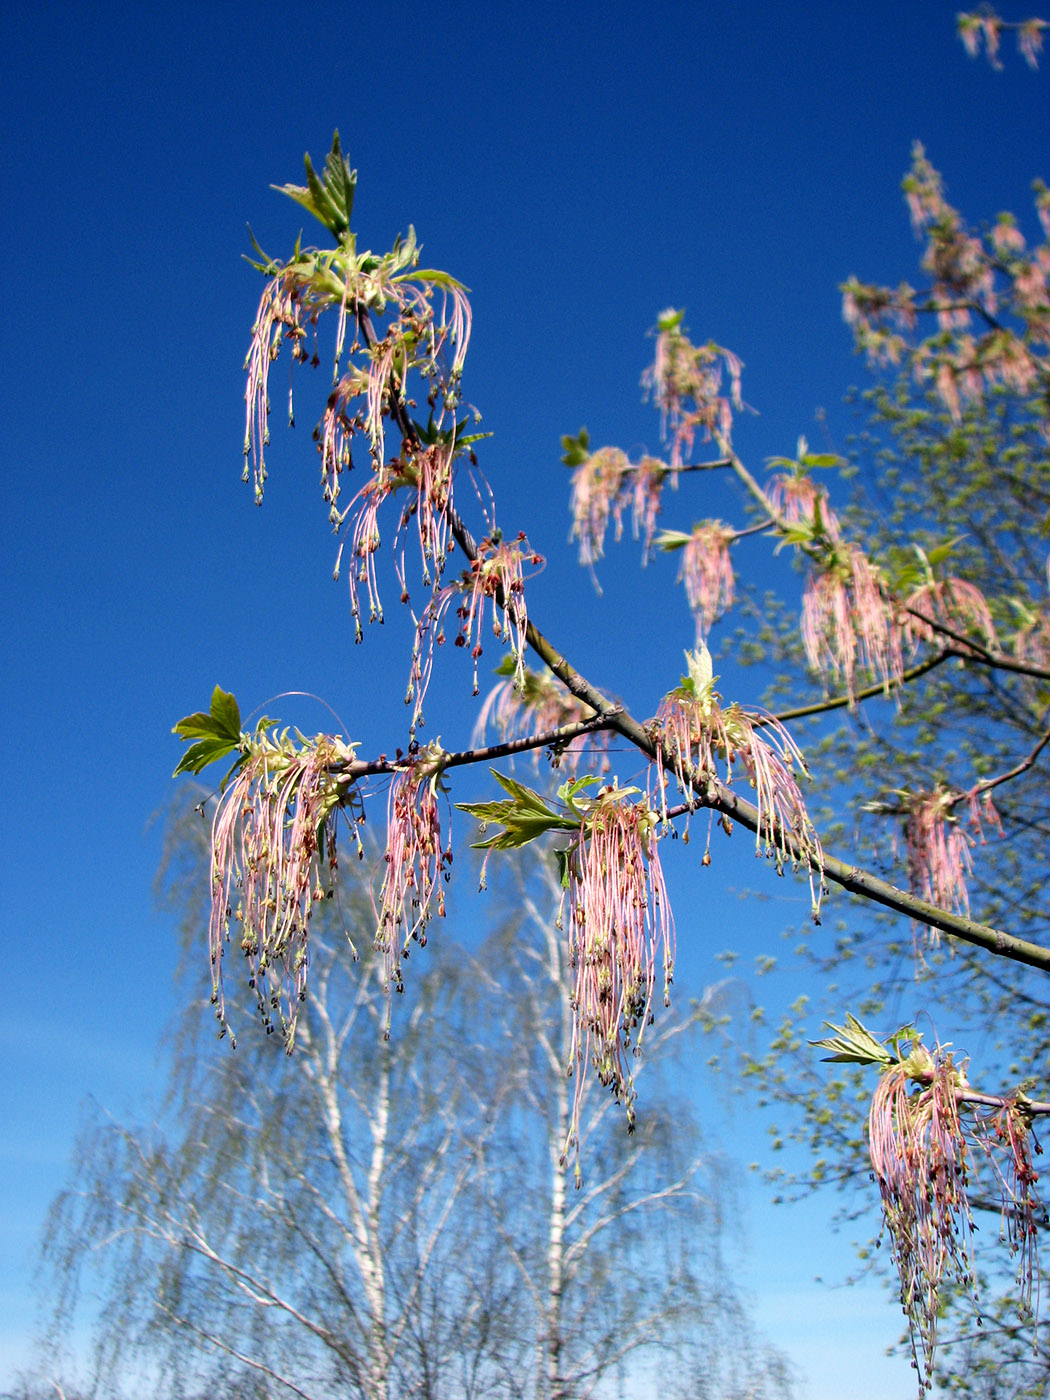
(580,166)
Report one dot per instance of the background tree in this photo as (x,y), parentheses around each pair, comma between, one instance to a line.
(382,1216)
(966,479)
(986,476)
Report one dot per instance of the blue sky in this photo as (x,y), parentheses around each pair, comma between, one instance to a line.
(580,167)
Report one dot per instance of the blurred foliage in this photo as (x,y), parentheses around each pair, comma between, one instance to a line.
(919,476)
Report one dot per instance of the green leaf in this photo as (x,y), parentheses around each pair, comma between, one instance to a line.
(218,733)
(524,816)
(435,275)
(569,791)
(562,857)
(820,459)
(576,449)
(671,539)
(341,182)
(204,751)
(226,713)
(940,552)
(330,200)
(670,320)
(853,1044)
(194,726)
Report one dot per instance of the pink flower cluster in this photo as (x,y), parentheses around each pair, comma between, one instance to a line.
(426,477)
(273,830)
(416,865)
(952,604)
(1032,640)
(603,487)
(993,283)
(285,308)
(850,623)
(619,923)
(685,383)
(538,706)
(369,390)
(984,25)
(707,572)
(796,500)
(697,739)
(496,575)
(846,622)
(931,1139)
(921,1163)
(1007,1134)
(939,846)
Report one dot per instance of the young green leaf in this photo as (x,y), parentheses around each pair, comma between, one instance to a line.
(525,816)
(853,1044)
(217,733)
(576,449)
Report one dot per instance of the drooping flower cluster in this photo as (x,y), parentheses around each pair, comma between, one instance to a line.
(921,1163)
(1007,1138)
(496,577)
(851,622)
(685,383)
(604,484)
(984,25)
(647,482)
(316,281)
(938,850)
(415,864)
(989,298)
(425,475)
(542,704)
(847,623)
(620,923)
(939,845)
(597,496)
(931,1140)
(706,571)
(405,322)
(273,856)
(696,738)
(1032,639)
(797,499)
(288,304)
(951,603)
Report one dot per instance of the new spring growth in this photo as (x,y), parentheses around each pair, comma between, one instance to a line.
(620,924)
(273,857)
(932,1140)
(685,383)
(697,739)
(415,864)
(394,321)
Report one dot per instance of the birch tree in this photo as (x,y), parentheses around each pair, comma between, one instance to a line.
(390,1215)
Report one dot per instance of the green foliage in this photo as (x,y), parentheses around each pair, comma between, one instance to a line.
(330,197)
(217,735)
(525,816)
(576,450)
(853,1044)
